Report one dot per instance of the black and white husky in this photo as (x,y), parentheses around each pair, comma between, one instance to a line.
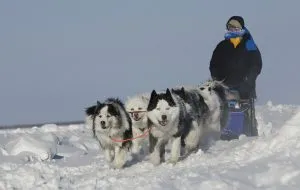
(198,111)
(195,103)
(136,106)
(169,121)
(111,124)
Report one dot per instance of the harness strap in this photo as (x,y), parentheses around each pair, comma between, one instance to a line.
(130,139)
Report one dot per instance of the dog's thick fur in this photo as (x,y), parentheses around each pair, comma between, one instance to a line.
(110,121)
(136,106)
(170,121)
(199,113)
(214,94)
(195,103)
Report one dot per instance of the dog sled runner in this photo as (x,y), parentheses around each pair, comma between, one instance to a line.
(241,117)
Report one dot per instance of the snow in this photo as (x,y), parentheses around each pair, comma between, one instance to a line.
(67,157)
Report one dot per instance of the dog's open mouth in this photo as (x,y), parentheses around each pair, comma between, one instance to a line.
(163,123)
(137,118)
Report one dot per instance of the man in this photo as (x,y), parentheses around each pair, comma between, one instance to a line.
(237,61)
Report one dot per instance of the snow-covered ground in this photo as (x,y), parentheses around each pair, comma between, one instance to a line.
(67,157)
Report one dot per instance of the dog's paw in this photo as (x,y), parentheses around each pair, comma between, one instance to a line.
(109,156)
(135,150)
(112,167)
(155,159)
(172,161)
(118,165)
(110,160)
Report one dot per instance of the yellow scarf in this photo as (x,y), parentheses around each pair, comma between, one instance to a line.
(236,41)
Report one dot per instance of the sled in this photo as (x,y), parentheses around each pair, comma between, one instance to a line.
(241,117)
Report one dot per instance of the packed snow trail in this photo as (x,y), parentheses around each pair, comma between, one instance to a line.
(270,161)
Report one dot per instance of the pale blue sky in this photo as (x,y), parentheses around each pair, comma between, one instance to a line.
(58,57)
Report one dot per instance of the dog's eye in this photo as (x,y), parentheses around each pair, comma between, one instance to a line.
(140,108)
(108,115)
(132,109)
(158,109)
(167,108)
(100,116)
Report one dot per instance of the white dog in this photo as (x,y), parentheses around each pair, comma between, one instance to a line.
(137,108)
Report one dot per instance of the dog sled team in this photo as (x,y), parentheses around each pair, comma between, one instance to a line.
(185,119)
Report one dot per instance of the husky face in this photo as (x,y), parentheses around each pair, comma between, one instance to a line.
(106,117)
(162,110)
(206,92)
(211,87)
(137,107)
(213,93)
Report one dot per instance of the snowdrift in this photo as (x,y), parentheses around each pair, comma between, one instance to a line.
(67,157)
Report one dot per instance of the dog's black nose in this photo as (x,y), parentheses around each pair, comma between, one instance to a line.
(164,117)
(136,115)
(102,122)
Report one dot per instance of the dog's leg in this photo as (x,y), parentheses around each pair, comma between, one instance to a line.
(108,155)
(162,151)
(157,151)
(215,126)
(136,149)
(213,134)
(216,131)
(120,157)
(192,140)
(152,142)
(175,150)
(136,143)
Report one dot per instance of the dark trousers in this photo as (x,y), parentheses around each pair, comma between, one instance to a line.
(251,120)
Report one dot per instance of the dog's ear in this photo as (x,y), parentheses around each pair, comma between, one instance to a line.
(174,91)
(99,106)
(93,109)
(153,95)
(170,98)
(90,110)
(113,110)
(182,91)
(168,92)
(152,101)
(183,95)
(144,98)
(179,92)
